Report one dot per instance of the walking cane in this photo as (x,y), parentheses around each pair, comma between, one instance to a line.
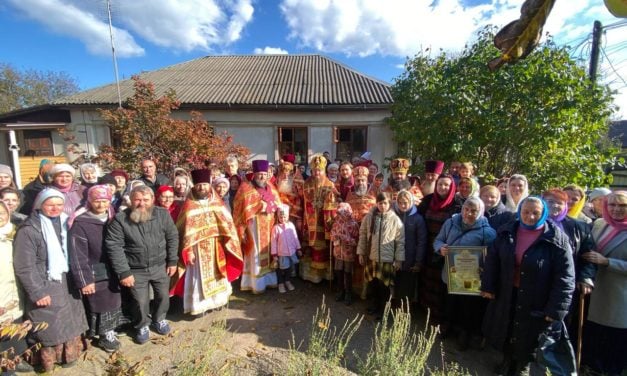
(582,303)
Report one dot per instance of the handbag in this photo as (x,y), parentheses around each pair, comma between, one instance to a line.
(555,352)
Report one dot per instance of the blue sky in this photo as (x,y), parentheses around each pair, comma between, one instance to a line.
(371,36)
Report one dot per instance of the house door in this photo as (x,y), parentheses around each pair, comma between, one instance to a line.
(38,142)
(350,142)
(293,141)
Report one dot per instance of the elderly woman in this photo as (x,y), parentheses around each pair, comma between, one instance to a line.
(41,266)
(470,228)
(415,246)
(166,199)
(89,175)
(495,210)
(529,278)
(182,185)
(517,190)
(11,305)
(91,268)
(222,186)
(12,198)
(436,208)
(576,202)
(63,181)
(605,335)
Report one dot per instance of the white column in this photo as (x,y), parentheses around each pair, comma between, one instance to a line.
(15,153)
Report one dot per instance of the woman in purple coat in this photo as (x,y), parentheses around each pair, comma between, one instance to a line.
(91,268)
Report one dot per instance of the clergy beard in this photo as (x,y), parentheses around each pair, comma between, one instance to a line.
(200,195)
(361,190)
(259,184)
(428,187)
(397,185)
(285,185)
(141,215)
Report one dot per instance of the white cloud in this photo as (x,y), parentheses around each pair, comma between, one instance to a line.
(182,25)
(270,51)
(67,19)
(406,27)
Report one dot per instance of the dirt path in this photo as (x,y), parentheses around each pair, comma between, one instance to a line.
(256,338)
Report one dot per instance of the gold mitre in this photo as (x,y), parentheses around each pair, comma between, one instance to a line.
(399,165)
(318,161)
(361,171)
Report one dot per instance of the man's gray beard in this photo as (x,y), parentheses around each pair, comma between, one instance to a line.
(141,215)
(428,187)
(397,185)
(360,190)
(259,185)
(285,185)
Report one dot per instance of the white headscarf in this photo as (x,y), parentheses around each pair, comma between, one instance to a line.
(56,251)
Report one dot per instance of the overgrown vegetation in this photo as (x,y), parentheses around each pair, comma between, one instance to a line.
(326,347)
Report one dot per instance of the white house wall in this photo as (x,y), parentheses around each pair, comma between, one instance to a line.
(258,130)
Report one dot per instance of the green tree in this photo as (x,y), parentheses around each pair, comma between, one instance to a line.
(144,128)
(19,89)
(541,116)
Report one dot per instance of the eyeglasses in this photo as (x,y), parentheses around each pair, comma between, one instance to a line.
(167,197)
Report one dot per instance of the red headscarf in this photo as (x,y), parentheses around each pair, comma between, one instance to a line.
(175,208)
(439,203)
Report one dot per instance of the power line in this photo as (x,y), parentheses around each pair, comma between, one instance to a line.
(612,66)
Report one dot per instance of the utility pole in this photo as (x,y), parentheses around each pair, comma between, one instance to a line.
(115,61)
(597,29)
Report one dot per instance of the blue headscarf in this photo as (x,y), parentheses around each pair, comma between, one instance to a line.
(543,217)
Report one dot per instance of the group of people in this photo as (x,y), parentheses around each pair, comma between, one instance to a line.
(94,250)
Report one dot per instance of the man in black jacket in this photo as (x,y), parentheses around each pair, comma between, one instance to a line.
(150,177)
(142,243)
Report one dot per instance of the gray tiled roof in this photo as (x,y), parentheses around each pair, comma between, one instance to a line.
(256,80)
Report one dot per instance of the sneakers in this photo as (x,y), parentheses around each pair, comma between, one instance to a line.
(143,335)
(109,342)
(162,327)
(282,288)
(289,285)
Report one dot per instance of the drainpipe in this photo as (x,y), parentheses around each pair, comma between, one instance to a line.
(15,153)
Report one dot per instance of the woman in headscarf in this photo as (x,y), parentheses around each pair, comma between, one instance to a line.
(234,182)
(63,181)
(469,228)
(468,187)
(91,268)
(11,304)
(165,198)
(6,177)
(415,246)
(576,202)
(517,190)
(495,210)
(182,184)
(41,265)
(436,208)
(222,186)
(529,278)
(89,175)
(605,334)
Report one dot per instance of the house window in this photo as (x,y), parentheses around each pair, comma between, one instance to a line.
(350,142)
(293,141)
(38,143)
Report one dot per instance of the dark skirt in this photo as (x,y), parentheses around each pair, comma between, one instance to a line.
(432,290)
(604,348)
(65,315)
(466,312)
(103,322)
(383,271)
(107,297)
(406,286)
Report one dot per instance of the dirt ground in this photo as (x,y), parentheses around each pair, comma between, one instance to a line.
(256,338)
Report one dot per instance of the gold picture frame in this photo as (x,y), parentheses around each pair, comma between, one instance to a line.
(463,269)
